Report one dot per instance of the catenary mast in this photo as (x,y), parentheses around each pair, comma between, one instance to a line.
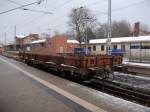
(109,29)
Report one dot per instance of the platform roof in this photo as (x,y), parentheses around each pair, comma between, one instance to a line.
(73,41)
(122,40)
(20,36)
(39,41)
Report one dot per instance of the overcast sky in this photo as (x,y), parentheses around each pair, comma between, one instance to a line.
(33,22)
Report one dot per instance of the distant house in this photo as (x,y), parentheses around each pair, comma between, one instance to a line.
(1,48)
(56,45)
(71,44)
(19,42)
(24,42)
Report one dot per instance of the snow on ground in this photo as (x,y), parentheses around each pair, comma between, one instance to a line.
(108,102)
(138,82)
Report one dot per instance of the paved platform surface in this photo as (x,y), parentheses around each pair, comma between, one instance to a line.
(20,94)
(20,91)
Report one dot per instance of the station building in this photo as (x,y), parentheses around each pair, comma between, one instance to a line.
(133,47)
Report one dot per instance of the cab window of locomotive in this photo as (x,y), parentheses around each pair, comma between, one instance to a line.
(94,48)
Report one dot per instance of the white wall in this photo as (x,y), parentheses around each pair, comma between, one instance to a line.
(128,52)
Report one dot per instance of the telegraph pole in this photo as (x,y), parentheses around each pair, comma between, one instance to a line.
(109,29)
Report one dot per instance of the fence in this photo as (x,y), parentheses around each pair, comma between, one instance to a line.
(138,55)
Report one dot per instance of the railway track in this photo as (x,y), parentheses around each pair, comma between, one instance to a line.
(115,89)
(120,91)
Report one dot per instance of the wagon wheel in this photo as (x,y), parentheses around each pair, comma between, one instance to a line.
(62,73)
(101,73)
(59,70)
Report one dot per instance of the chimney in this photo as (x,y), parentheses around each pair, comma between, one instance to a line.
(136,30)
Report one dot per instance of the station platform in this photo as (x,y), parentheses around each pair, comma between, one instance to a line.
(27,89)
(144,65)
(140,68)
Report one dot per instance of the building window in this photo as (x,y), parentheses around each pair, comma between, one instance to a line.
(94,48)
(135,47)
(102,48)
(89,48)
(115,46)
(145,47)
(123,47)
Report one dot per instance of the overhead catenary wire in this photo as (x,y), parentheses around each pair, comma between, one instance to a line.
(39,11)
(27,9)
(22,6)
(36,18)
(58,6)
(14,2)
(133,4)
(125,7)
(64,3)
(95,3)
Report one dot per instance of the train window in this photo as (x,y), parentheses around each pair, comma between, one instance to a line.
(115,46)
(94,48)
(135,47)
(102,47)
(89,48)
(145,47)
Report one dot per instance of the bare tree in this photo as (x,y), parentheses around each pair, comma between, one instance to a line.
(70,34)
(144,28)
(119,29)
(90,34)
(101,32)
(81,19)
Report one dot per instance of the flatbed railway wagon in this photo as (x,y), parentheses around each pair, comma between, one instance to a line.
(82,66)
